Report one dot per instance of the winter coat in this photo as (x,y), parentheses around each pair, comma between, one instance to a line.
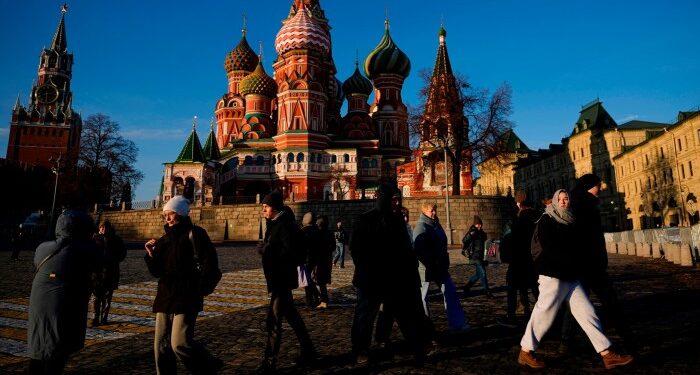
(589,231)
(58,303)
(284,249)
(321,261)
(340,236)
(174,265)
(430,244)
(381,250)
(559,257)
(522,266)
(474,243)
(113,252)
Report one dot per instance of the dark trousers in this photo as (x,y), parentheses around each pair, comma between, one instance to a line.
(323,288)
(282,307)
(602,286)
(520,280)
(102,303)
(48,366)
(174,339)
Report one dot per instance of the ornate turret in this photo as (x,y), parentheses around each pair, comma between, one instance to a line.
(357,83)
(242,57)
(192,150)
(387,58)
(211,149)
(301,31)
(258,83)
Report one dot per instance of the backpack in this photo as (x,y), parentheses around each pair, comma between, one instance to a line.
(208,278)
(467,249)
(535,244)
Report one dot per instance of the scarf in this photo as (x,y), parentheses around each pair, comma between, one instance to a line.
(561,215)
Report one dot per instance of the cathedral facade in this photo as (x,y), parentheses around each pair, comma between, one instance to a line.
(284,130)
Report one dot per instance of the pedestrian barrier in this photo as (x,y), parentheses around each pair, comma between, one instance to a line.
(631,248)
(656,250)
(686,255)
(644,250)
(622,248)
(674,253)
(611,247)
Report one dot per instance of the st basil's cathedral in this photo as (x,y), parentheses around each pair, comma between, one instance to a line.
(285,131)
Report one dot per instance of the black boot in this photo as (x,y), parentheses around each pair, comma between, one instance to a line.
(468,286)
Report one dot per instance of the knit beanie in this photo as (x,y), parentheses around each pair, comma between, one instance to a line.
(178,204)
(477,220)
(274,200)
(587,181)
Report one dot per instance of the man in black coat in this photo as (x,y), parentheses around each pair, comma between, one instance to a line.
(180,297)
(595,277)
(283,249)
(386,271)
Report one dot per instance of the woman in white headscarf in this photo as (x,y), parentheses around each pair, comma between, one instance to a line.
(557,266)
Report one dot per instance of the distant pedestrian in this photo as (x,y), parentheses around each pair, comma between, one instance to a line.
(521,276)
(106,280)
(321,260)
(186,264)
(16,241)
(283,250)
(313,245)
(386,272)
(341,240)
(58,304)
(595,278)
(559,275)
(430,244)
(473,247)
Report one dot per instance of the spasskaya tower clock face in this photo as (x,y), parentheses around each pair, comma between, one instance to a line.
(47,93)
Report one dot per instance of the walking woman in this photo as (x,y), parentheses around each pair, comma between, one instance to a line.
(557,266)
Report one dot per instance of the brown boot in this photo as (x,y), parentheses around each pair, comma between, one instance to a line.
(612,360)
(528,359)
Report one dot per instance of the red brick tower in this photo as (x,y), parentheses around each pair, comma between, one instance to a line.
(48,126)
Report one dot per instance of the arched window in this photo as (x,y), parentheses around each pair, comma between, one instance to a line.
(365,163)
(273,160)
(248,160)
(334,159)
(233,163)
(260,160)
(300,157)
(279,158)
(346,158)
(374,163)
(290,157)
(312,158)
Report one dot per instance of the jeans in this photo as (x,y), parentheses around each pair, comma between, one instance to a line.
(553,293)
(282,307)
(174,338)
(102,303)
(480,274)
(339,254)
(453,306)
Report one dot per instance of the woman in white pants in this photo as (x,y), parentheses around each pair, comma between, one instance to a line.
(559,283)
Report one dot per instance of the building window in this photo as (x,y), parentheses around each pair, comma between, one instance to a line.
(374,163)
(365,163)
(300,157)
(334,159)
(346,158)
(260,160)
(682,171)
(646,159)
(680,146)
(248,160)
(690,168)
(290,157)
(662,152)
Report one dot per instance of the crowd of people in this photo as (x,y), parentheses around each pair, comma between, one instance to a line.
(558,256)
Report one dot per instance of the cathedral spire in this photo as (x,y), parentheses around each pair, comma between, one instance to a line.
(17,104)
(59,42)
(442,62)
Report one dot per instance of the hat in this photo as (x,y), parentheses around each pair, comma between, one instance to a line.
(274,200)
(178,204)
(587,181)
(477,220)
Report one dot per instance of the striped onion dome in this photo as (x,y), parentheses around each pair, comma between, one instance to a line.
(241,58)
(387,58)
(357,83)
(302,32)
(259,83)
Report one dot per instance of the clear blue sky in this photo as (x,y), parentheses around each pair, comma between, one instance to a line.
(152,65)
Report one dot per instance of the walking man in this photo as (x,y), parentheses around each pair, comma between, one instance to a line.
(175,259)
(473,245)
(112,250)
(340,242)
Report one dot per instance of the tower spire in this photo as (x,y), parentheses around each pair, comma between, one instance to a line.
(194,123)
(17,104)
(245,28)
(59,42)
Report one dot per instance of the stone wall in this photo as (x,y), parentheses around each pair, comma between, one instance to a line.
(243,222)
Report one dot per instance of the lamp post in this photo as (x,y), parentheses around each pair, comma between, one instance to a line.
(56,169)
(447,200)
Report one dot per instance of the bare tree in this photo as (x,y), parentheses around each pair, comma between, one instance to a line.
(104,150)
(466,121)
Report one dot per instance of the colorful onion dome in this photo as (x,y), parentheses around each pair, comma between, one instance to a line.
(357,83)
(241,58)
(302,32)
(259,83)
(387,58)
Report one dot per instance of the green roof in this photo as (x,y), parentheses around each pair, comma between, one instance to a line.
(512,142)
(636,124)
(211,148)
(594,116)
(192,151)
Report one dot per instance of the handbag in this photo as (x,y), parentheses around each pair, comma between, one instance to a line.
(209,280)
(302,276)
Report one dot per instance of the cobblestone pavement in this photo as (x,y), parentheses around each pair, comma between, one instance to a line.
(661,299)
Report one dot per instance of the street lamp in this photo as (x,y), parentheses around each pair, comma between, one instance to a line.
(56,169)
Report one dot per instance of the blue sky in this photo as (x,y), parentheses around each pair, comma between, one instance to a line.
(152,65)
